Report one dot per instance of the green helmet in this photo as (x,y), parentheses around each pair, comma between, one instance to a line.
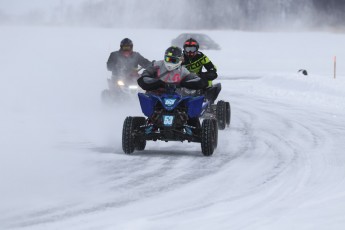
(173,58)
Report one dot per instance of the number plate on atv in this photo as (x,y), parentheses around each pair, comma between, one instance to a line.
(169,101)
(168,120)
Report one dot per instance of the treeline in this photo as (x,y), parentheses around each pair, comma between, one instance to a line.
(266,14)
(330,12)
(194,14)
(216,14)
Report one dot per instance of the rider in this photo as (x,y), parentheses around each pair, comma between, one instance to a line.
(125,61)
(194,61)
(170,70)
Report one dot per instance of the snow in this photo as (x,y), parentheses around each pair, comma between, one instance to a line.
(280,165)
(18,7)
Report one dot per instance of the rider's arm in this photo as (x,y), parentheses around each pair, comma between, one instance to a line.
(148,80)
(143,62)
(211,73)
(111,61)
(193,81)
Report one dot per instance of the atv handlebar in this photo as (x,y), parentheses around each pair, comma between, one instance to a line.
(171,87)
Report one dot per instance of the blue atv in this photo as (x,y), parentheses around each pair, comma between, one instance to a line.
(170,117)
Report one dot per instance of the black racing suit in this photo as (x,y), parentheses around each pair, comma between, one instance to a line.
(195,64)
(121,65)
(156,76)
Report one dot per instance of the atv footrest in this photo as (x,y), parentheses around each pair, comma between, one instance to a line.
(171,135)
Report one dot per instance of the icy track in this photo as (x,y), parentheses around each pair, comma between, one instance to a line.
(279,166)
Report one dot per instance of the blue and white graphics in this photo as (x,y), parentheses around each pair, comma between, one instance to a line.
(169,101)
(168,120)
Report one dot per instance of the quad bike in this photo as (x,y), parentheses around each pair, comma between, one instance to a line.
(221,111)
(120,89)
(170,117)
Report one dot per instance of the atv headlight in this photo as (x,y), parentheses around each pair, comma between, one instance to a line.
(133,87)
(120,83)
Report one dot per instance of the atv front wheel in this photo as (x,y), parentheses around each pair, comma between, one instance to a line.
(140,144)
(209,137)
(215,127)
(129,141)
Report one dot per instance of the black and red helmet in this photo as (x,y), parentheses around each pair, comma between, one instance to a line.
(190,47)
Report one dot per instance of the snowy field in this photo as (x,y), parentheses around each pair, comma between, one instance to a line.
(280,165)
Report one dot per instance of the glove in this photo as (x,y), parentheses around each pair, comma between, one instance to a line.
(203,75)
(209,76)
(149,83)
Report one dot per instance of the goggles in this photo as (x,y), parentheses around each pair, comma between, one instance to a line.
(126,48)
(190,49)
(188,43)
(172,59)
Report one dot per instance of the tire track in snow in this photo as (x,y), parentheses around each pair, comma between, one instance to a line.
(144,175)
(269,134)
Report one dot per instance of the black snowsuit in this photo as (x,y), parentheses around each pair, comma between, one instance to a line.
(156,76)
(194,65)
(121,65)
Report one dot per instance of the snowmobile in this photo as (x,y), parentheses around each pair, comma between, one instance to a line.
(120,89)
(170,117)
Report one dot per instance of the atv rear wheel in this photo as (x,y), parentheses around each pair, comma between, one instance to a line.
(209,136)
(215,124)
(129,142)
(228,114)
(221,114)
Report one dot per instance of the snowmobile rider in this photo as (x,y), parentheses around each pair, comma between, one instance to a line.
(125,61)
(194,61)
(170,70)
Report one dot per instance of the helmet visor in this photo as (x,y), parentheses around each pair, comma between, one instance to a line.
(172,59)
(126,47)
(190,48)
